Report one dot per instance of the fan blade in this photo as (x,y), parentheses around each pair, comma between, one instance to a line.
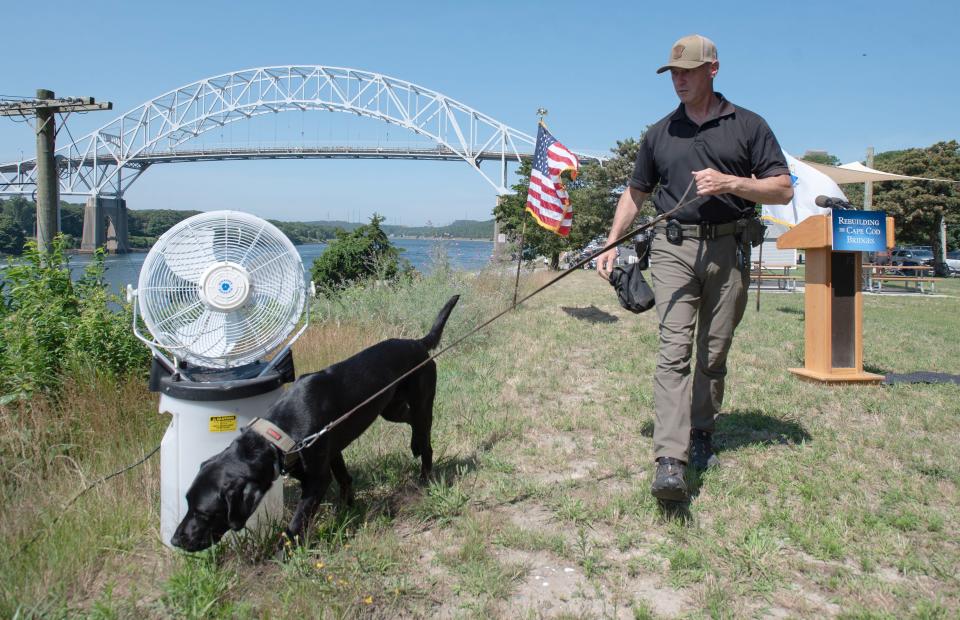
(189,255)
(282,293)
(206,336)
(237,333)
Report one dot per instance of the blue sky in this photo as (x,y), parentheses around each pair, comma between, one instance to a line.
(838,76)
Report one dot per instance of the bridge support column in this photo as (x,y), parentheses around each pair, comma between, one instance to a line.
(105,224)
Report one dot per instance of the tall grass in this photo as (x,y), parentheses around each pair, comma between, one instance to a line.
(358,316)
(52,449)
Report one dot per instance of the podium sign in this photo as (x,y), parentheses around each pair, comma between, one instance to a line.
(859,231)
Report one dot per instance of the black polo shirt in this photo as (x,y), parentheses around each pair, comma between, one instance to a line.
(736,142)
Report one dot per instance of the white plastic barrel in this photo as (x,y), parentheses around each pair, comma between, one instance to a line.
(197,431)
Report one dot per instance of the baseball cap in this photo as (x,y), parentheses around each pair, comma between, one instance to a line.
(690,52)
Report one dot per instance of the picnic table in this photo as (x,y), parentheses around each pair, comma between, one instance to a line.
(784,275)
(874,277)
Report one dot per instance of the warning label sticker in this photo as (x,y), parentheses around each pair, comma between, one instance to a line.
(223,423)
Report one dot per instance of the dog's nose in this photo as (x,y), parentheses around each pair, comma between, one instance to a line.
(175,540)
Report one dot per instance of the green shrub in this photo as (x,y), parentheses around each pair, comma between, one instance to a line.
(102,337)
(362,254)
(50,325)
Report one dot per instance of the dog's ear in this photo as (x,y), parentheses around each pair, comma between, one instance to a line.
(242,500)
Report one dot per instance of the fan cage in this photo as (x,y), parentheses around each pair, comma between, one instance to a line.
(175,313)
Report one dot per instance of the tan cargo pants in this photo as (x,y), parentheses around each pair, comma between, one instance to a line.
(698,288)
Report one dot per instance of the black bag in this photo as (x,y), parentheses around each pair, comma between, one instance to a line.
(632,289)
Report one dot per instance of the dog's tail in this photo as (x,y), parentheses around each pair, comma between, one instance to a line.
(432,339)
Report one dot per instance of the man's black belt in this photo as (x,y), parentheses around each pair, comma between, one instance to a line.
(704,231)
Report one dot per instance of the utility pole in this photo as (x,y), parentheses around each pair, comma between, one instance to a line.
(868,185)
(942,262)
(44,108)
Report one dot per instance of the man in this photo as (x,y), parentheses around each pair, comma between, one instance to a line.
(700,261)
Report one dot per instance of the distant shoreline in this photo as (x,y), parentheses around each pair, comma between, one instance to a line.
(439,238)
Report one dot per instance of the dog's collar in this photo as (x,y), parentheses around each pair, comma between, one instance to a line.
(278,439)
(272,433)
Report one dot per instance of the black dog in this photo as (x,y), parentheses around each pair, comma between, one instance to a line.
(229,485)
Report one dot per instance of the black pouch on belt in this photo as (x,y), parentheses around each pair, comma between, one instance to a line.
(674,232)
(633,292)
(755,230)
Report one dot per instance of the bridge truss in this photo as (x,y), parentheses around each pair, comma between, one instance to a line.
(110,159)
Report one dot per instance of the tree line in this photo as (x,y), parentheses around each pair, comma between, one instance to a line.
(918,207)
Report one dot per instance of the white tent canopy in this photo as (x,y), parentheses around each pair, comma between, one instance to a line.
(811,180)
(855,172)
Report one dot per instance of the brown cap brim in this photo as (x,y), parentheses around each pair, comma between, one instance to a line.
(683,64)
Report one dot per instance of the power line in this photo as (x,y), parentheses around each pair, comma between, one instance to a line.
(45,101)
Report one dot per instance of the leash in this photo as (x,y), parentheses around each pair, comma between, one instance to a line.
(78,496)
(311,439)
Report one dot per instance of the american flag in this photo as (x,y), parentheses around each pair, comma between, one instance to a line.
(547,199)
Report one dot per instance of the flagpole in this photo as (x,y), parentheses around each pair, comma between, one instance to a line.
(516,282)
(541,112)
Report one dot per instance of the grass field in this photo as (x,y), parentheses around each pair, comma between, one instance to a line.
(830,501)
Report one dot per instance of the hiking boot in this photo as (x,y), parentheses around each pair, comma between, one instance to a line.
(669,482)
(702,457)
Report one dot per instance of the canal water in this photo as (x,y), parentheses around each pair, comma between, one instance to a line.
(466,255)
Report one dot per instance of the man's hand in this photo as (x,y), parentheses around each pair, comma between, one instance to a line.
(711,182)
(605,263)
(775,190)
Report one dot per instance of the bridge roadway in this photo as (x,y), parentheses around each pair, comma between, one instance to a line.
(141,162)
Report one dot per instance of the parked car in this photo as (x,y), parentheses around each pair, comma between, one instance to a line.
(595,245)
(953,262)
(953,259)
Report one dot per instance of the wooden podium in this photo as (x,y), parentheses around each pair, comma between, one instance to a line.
(833,330)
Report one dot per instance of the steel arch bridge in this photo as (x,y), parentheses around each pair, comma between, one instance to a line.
(107,161)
